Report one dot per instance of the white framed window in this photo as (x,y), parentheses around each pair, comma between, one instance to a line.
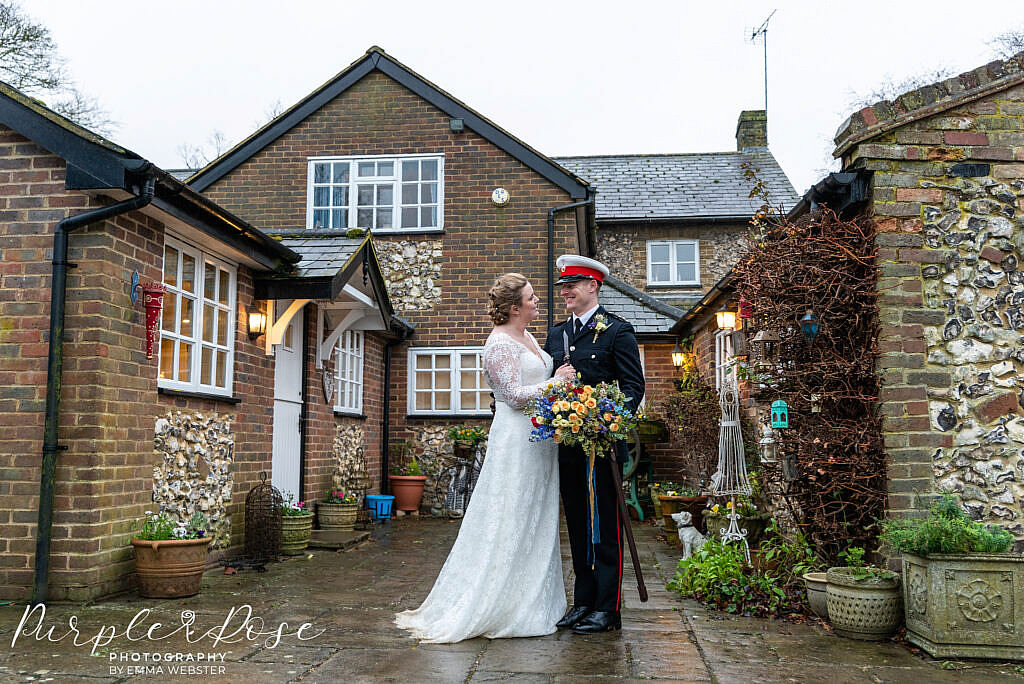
(384,194)
(725,368)
(348,372)
(673,262)
(197,331)
(447,380)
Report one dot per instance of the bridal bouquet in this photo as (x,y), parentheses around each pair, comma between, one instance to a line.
(581,415)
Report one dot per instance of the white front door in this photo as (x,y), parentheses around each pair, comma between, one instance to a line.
(285,461)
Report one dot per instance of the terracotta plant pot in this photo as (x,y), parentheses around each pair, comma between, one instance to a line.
(817,583)
(869,609)
(408,491)
(337,516)
(171,568)
(295,531)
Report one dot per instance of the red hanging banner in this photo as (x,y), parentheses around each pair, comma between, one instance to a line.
(152,298)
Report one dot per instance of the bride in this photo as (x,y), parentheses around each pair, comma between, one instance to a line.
(503,576)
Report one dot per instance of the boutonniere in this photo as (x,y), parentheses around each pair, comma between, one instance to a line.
(598,324)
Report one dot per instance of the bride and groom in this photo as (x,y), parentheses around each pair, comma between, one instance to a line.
(503,575)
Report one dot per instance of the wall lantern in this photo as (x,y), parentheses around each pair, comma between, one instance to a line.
(456,125)
(153,300)
(766,347)
(767,445)
(678,356)
(725,318)
(257,324)
(780,414)
(746,309)
(809,325)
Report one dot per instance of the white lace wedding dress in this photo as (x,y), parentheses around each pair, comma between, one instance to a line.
(503,576)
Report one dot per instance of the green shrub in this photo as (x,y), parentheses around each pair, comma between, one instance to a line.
(947,529)
(789,556)
(718,574)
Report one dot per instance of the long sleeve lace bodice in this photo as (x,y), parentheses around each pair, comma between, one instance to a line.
(514,373)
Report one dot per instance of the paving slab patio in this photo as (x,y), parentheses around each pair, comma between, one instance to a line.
(349,598)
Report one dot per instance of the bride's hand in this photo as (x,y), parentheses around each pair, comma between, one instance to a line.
(566,373)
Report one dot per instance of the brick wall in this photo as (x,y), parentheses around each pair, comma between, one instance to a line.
(947,194)
(481,241)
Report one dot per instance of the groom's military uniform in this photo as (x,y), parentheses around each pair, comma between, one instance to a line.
(606,356)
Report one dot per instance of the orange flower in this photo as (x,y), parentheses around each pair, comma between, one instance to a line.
(575,428)
(607,417)
(614,427)
(591,403)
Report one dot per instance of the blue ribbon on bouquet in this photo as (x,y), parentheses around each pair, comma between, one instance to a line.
(593,519)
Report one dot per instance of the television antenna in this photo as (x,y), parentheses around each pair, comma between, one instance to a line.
(762,31)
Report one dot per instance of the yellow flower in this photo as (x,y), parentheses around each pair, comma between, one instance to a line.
(728,504)
(714,509)
(588,389)
(590,403)
(576,406)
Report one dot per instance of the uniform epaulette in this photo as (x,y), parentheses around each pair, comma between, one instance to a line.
(617,317)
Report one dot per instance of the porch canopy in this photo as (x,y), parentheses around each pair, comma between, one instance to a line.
(342,275)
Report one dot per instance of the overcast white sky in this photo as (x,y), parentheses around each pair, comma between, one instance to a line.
(569,78)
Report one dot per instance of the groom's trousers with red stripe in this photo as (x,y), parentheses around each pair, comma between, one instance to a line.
(599,587)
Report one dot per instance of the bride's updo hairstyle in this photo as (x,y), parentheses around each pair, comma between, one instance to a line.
(506,292)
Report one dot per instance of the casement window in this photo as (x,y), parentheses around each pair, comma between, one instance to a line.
(348,372)
(384,194)
(447,380)
(197,336)
(725,368)
(673,262)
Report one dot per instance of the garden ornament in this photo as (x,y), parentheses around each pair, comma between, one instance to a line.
(688,534)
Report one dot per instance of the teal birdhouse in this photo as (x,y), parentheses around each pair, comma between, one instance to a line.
(780,414)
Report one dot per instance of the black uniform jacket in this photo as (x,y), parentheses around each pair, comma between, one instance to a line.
(612,356)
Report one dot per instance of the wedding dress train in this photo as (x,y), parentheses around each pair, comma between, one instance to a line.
(503,575)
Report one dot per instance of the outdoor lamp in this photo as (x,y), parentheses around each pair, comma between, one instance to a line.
(678,356)
(725,318)
(257,324)
(809,325)
(766,346)
(767,446)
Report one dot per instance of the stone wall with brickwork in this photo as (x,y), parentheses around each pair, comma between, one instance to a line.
(625,245)
(480,241)
(948,198)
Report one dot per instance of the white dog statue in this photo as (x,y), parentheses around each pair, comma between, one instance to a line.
(688,534)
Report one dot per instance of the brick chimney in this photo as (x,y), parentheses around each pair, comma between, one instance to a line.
(752,129)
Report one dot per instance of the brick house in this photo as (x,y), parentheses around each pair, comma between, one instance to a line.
(379,147)
(674,225)
(189,428)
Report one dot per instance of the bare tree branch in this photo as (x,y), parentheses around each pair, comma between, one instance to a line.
(1008,44)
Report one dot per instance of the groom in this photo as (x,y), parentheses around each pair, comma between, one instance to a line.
(602,348)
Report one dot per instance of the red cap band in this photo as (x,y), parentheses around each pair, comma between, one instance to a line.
(583,270)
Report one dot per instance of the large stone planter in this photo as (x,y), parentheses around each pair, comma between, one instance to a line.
(337,516)
(170,568)
(295,531)
(755,525)
(869,609)
(817,593)
(965,605)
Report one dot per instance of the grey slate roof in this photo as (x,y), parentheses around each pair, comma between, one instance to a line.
(647,314)
(680,186)
(322,256)
(181,174)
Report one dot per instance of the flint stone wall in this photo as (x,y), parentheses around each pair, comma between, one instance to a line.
(348,456)
(948,201)
(412,272)
(194,473)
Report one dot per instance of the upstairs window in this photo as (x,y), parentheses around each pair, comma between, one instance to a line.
(673,262)
(197,336)
(382,194)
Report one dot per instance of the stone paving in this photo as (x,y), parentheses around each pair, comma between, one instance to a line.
(349,597)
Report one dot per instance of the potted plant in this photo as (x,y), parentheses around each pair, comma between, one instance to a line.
(338,511)
(407,483)
(751,520)
(682,498)
(170,555)
(464,439)
(296,526)
(656,490)
(864,602)
(962,591)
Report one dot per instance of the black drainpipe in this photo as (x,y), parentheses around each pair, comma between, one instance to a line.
(551,254)
(54,365)
(386,422)
(306,392)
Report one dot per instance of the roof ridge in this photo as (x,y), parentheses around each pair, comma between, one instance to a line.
(929,99)
(644,154)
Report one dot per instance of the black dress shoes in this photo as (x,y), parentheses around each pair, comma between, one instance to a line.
(599,621)
(575,614)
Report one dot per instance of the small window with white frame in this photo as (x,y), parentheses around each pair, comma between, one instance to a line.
(348,372)
(448,381)
(673,262)
(383,194)
(197,336)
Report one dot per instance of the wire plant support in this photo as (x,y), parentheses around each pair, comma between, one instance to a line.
(730,479)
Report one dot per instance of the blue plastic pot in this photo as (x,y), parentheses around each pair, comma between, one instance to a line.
(380,506)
